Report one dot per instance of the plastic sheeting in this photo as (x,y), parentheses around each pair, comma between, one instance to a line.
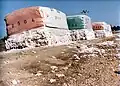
(54,18)
(76,22)
(102,29)
(97,26)
(23,19)
(33,17)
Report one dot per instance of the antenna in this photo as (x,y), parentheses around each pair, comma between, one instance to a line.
(85,12)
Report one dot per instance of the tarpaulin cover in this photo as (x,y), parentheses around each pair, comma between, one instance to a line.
(23,19)
(76,22)
(97,26)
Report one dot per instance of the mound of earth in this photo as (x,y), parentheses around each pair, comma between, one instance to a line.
(84,63)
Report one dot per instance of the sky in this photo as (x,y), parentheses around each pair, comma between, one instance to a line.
(103,10)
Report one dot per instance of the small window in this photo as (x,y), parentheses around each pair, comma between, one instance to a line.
(18,23)
(33,20)
(25,21)
(12,25)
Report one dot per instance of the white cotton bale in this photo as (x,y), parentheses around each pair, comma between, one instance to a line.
(105,31)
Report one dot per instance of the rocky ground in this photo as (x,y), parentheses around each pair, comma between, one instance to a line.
(84,63)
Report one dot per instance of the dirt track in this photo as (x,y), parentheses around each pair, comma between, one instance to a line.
(69,65)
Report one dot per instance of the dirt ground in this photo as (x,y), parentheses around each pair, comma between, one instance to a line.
(84,63)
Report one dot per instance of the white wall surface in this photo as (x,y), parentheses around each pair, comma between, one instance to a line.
(106,31)
(54,18)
